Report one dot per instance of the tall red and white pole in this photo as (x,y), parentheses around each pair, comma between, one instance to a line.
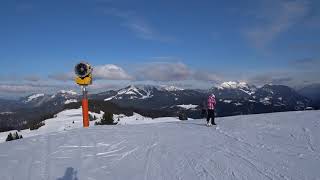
(85,107)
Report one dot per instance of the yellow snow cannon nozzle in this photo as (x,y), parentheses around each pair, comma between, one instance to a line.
(83,73)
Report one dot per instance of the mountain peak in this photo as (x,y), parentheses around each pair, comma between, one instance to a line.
(64,93)
(133,92)
(171,88)
(129,90)
(33,97)
(233,85)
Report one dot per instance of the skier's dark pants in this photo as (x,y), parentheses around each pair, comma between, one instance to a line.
(210,116)
(203,113)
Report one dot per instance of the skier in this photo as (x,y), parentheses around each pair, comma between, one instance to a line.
(211,107)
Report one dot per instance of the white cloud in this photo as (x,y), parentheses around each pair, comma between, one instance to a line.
(164,71)
(110,72)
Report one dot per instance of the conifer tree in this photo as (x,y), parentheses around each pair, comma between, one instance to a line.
(10,137)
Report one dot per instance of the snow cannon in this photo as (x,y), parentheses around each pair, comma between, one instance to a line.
(83,73)
(83,78)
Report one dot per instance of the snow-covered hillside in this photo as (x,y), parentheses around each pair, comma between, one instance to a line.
(265,146)
(65,120)
(72,118)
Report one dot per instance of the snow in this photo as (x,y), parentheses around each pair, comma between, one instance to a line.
(265,146)
(33,97)
(65,93)
(242,86)
(71,92)
(148,95)
(233,85)
(227,101)
(129,91)
(110,98)
(248,92)
(6,113)
(188,106)
(138,119)
(133,97)
(266,100)
(63,121)
(70,101)
(171,88)
(72,119)
(132,90)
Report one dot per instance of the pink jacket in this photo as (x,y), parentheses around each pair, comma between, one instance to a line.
(211,102)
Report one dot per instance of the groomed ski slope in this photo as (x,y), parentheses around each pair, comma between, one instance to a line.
(265,146)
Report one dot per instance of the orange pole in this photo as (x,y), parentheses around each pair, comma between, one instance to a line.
(85,109)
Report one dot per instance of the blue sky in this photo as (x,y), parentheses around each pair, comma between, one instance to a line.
(193,44)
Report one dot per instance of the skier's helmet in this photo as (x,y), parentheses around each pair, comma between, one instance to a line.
(212,95)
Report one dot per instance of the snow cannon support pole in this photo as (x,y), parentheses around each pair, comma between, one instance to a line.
(85,108)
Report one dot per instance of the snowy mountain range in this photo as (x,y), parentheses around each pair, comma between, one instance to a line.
(234,93)
(60,98)
(155,101)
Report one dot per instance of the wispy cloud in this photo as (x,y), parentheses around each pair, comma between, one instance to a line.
(32,78)
(271,78)
(272,20)
(309,63)
(138,25)
(69,76)
(17,88)
(298,73)
(164,71)
(13,77)
(309,68)
(305,47)
(207,76)
(29,88)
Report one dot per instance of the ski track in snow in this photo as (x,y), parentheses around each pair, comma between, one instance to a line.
(309,139)
(269,146)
